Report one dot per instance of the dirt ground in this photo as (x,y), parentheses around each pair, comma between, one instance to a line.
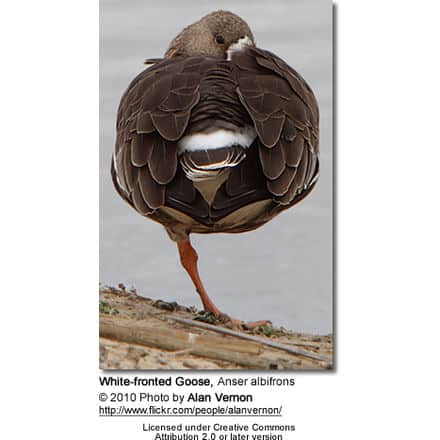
(141,333)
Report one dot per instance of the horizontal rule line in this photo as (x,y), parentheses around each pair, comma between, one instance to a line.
(183,415)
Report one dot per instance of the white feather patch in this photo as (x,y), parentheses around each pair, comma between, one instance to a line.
(115,164)
(217,139)
(241,44)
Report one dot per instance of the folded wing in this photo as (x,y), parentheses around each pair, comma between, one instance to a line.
(153,114)
(286,117)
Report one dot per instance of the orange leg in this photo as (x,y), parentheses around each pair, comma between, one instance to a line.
(188,258)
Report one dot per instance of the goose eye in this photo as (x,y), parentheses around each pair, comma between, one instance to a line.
(219,39)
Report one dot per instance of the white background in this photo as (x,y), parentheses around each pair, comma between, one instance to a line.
(386,382)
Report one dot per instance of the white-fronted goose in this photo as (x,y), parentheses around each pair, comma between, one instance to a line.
(217,136)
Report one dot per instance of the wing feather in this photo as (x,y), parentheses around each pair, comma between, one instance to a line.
(152,192)
(285,114)
(141,148)
(129,171)
(139,202)
(153,114)
(293,150)
(163,160)
(272,160)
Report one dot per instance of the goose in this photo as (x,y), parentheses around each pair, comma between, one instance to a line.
(218,136)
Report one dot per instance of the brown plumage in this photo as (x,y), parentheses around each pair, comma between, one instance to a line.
(215,85)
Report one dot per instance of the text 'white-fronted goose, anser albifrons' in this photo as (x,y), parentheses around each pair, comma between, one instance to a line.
(218,136)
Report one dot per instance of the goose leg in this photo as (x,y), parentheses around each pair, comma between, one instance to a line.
(188,259)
